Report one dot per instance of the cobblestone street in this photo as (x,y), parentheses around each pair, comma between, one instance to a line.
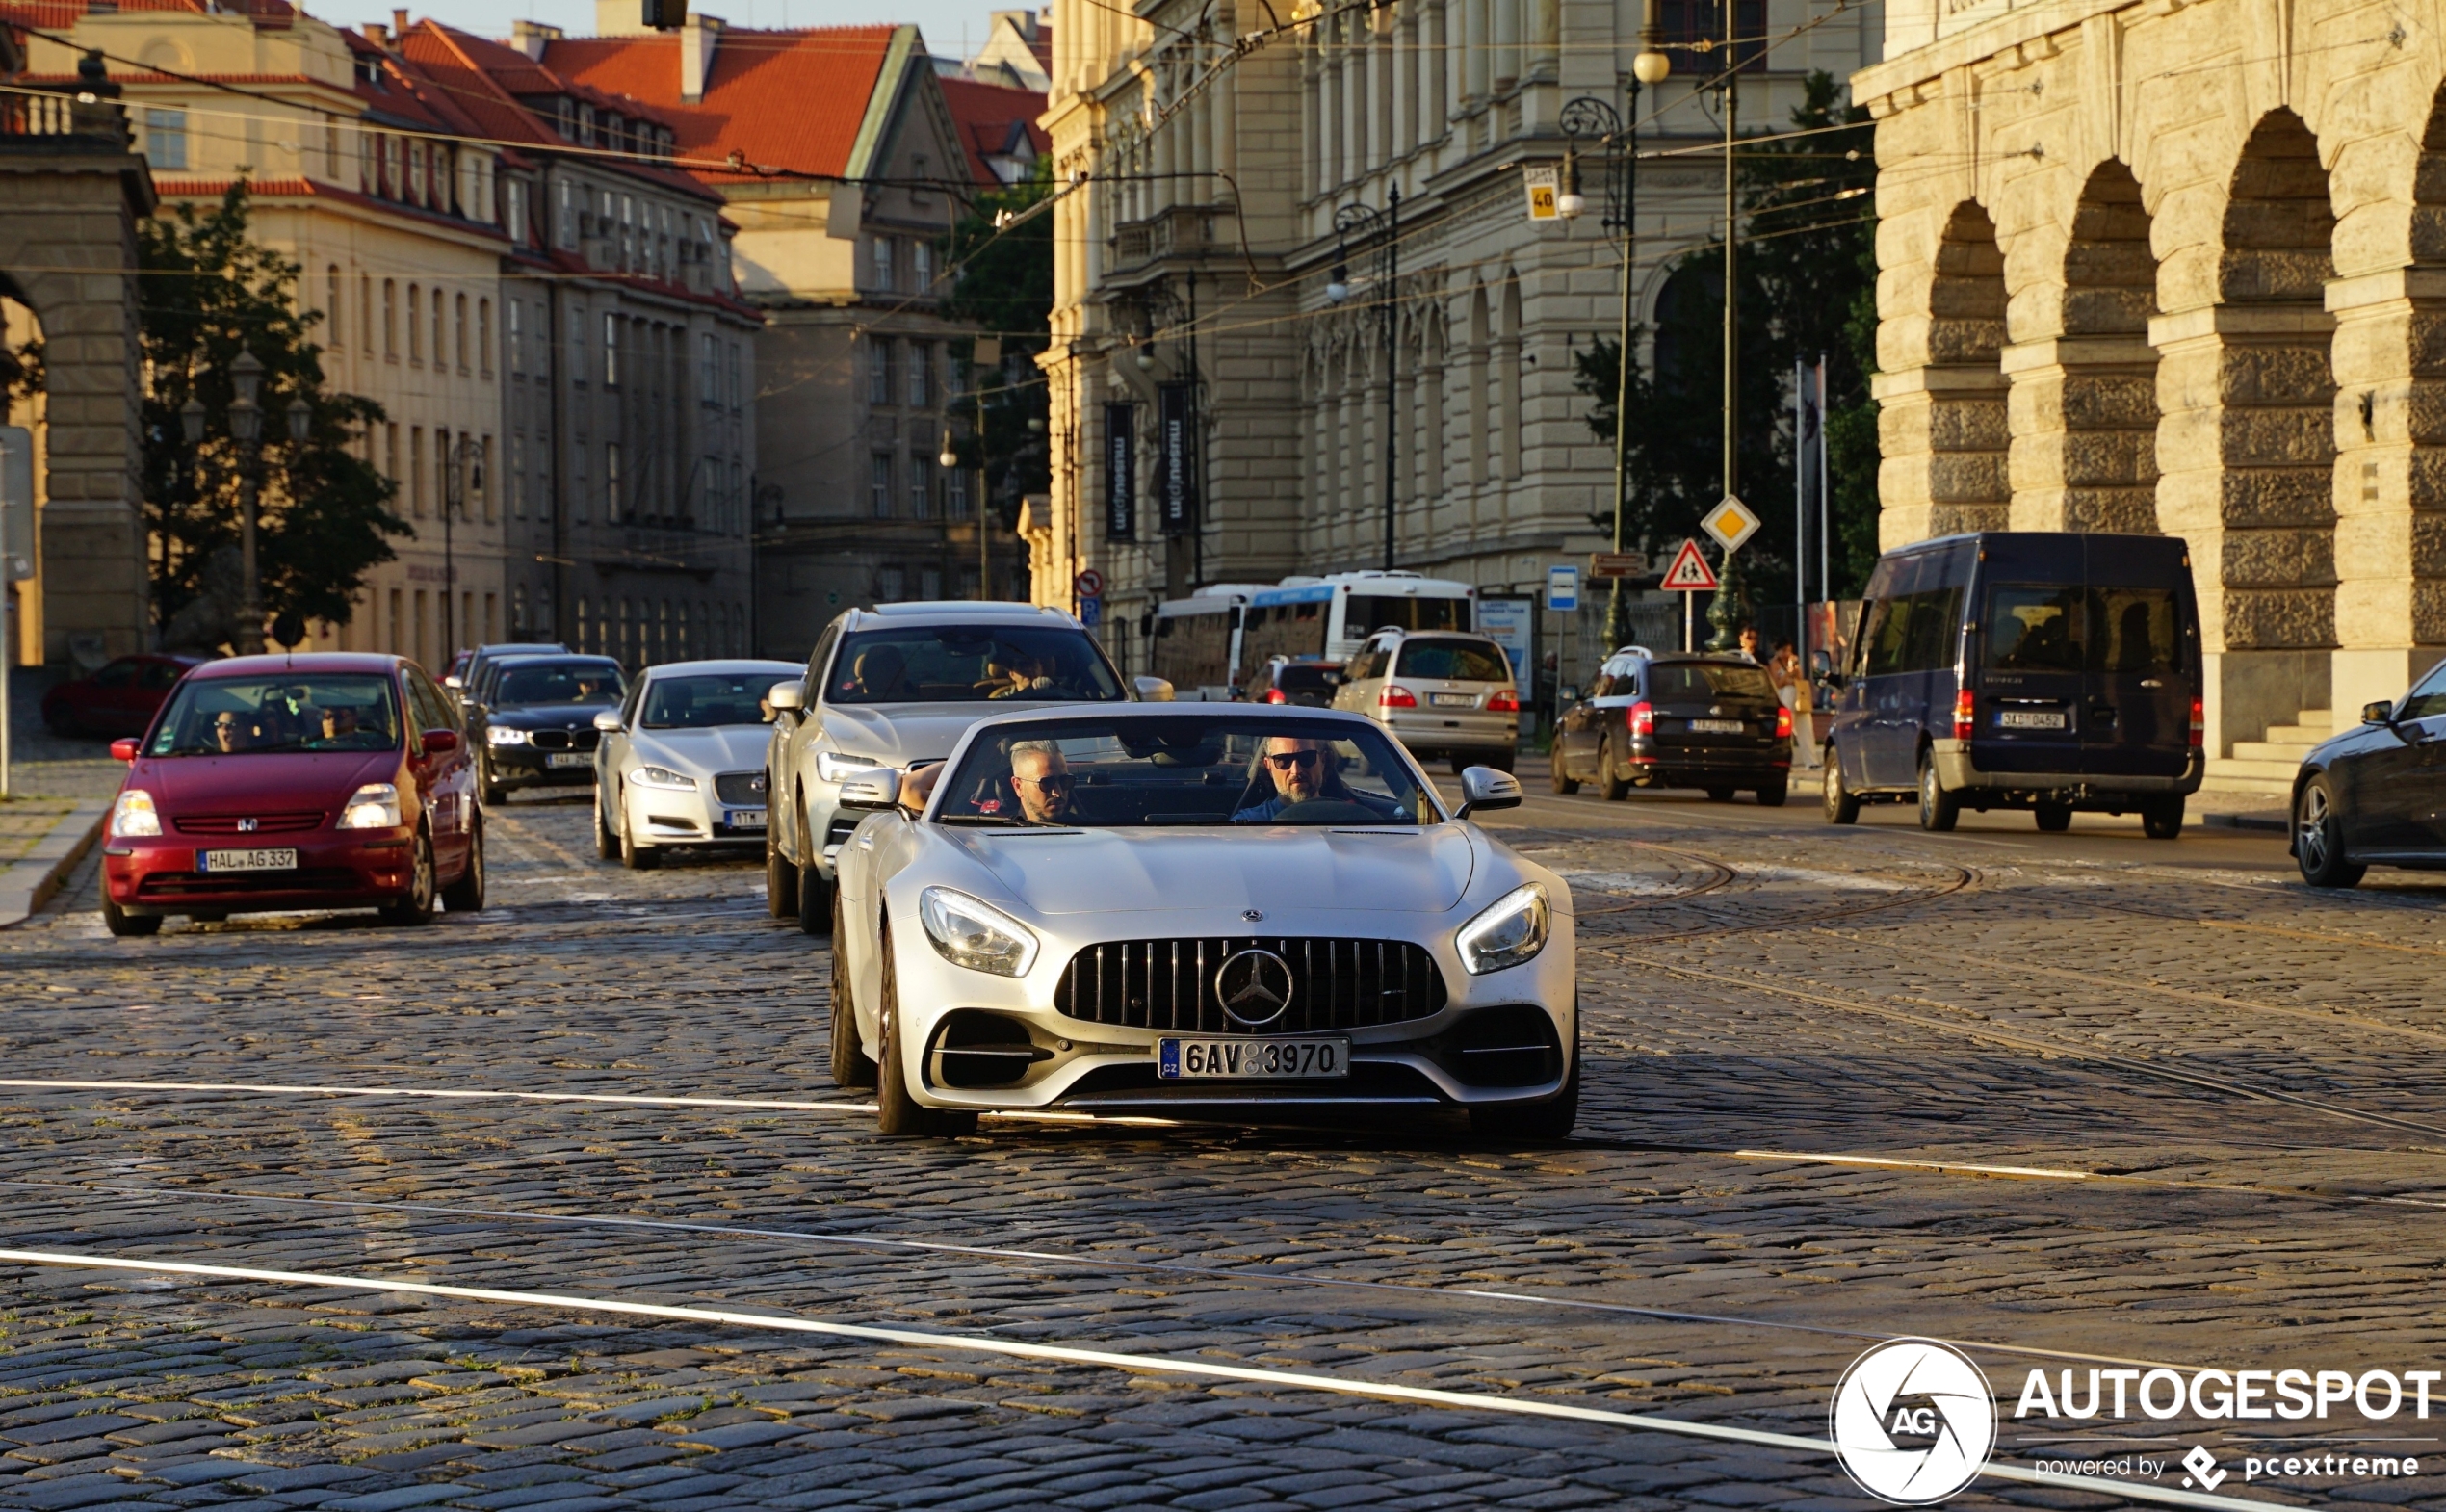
(2064,1099)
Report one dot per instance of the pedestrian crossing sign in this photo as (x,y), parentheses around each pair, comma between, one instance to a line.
(1731,523)
(1689,572)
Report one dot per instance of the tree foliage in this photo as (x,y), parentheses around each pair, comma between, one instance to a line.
(324,518)
(1807,264)
(1004,282)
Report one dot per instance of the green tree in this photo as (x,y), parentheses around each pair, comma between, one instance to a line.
(1004,282)
(324,518)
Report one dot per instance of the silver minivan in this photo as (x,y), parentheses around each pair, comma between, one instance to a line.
(1439,692)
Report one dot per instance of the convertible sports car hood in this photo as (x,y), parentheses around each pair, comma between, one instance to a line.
(901,733)
(707,752)
(1280,871)
(270,780)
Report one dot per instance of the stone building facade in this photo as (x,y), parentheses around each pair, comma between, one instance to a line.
(2181,268)
(1209,151)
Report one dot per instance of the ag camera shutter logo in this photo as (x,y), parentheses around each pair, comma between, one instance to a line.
(1912,1421)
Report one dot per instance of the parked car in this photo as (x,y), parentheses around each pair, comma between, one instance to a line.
(536,723)
(118,697)
(325,780)
(895,688)
(1218,907)
(1309,681)
(2049,671)
(682,760)
(1676,721)
(1439,692)
(2376,794)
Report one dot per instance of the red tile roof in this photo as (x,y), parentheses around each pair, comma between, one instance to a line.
(990,115)
(789,99)
(61,15)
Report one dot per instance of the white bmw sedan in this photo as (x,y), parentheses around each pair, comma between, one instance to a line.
(682,761)
(1196,909)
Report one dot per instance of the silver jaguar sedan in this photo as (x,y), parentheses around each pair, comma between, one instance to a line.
(682,761)
(1191,909)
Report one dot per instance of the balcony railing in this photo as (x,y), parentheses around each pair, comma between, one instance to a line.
(81,115)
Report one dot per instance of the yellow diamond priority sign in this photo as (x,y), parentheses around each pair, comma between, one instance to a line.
(1731,523)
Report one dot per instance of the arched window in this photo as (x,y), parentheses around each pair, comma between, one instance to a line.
(333,311)
(391,318)
(461,311)
(485,337)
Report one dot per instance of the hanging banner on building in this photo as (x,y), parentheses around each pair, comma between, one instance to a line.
(1176,458)
(1121,472)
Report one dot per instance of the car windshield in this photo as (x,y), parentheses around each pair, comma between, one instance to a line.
(1195,769)
(1311,677)
(701,700)
(964,663)
(1707,680)
(288,711)
(1454,661)
(530,684)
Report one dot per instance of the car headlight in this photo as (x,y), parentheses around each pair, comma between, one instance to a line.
(503,735)
(134,814)
(373,806)
(1510,932)
(833,766)
(976,935)
(662,777)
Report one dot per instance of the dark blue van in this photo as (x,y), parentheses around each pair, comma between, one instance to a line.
(2022,669)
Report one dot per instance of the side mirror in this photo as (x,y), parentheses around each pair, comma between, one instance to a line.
(440,742)
(607,721)
(879,789)
(1821,664)
(2382,712)
(1569,692)
(455,683)
(1484,788)
(124,750)
(785,696)
(1333,677)
(1152,689)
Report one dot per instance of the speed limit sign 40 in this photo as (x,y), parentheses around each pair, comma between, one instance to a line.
(1089,584)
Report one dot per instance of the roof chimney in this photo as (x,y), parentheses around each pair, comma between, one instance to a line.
(399,25)
(531,38)
(697,40)
(377,33)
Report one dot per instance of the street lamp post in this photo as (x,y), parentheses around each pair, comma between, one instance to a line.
(1385,226)
(245,428)
(454,499)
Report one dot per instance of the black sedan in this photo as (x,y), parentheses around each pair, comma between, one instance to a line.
(1676,721)
(537,726)
(2376,794)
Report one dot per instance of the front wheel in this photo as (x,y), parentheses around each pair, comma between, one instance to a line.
(127,925)
(2162,819)
(637,857)
(1841,807)
(466,896)
(607,841)
(1939,808)
(850,1068)
(2318,839)
(781,880)
(1565,785)
(417,907)
(897,1112)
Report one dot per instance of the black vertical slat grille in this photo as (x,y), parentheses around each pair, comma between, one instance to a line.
(1169,984)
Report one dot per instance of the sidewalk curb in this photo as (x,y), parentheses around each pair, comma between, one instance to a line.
(32,881)
(2271,822)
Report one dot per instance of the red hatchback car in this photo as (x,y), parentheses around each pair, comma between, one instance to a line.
(279,782)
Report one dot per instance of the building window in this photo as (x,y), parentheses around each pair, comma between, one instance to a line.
(920,373)
(922,256)
(480,476)
(517,336)
(610,351)
(365,312)
(612,481)
(920,485)
(416,471)
(955,493)
(337,312)
(517,476)
(415,325)
(395,168)
(166,137)
(580,498)
(485,335)
(520,626)
(577,368)
(390,320)
(880,370)
(879,485)
(737,374)
(711,381)
(458,320)
(889,584)
(568,234)
(881,267)
(737,521)
(517,197)
(437,331)
(416,190)
(391,454)
(331,155)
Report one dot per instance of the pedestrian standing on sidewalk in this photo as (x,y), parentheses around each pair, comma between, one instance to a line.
(1792,689)
(1749,647)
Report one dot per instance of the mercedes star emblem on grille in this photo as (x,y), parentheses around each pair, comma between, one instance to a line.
(1255,986)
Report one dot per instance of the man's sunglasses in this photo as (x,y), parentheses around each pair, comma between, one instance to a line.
(1284,761)
(1058,782)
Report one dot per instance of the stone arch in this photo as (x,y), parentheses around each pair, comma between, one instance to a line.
(1480,351)
(2246,448)
(1512,366)
(2084,401)
(1944,427)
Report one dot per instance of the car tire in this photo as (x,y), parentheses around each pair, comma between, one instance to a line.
(850,1068)
(2054,819)
(417,906)
(898,1114)
(1610,780)
(127,925)
(1564,784)
(1774,794)
(466,896)
(1552,1119)
(781,880)
(1938,808)
(637,857)
(488,790)
(1501,761)
(1842,806)
(2162,819)
(2318,838)
(815,892)
(1720,794)
(606,840)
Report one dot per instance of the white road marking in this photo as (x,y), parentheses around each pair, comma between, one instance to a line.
(1167,1365)
(469,1093)
(1807,1158)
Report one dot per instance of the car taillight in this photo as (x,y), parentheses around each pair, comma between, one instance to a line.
(1396,696)
(1275,695)
(1643,718)
(1782,723)
(2199,724)
(1504,701)
(1965,719)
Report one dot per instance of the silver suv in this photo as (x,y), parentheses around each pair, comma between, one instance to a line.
(1441,692)
(897,687)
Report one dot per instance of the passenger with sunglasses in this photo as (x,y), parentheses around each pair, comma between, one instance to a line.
(1305,770)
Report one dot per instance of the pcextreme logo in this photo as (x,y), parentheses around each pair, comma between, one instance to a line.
(1912,1421)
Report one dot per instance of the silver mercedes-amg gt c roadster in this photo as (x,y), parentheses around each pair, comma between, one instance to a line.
(1196,910)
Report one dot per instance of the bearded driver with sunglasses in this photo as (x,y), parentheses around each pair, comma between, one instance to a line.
(1304,770)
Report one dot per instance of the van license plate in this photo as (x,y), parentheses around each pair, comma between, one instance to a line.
(1253,1060)
(2030,719)
(569,759)
(1715,726)
(1454,700)
(245,860)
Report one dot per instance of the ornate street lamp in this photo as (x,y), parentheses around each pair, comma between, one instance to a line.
(245,428)
(1385,226)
